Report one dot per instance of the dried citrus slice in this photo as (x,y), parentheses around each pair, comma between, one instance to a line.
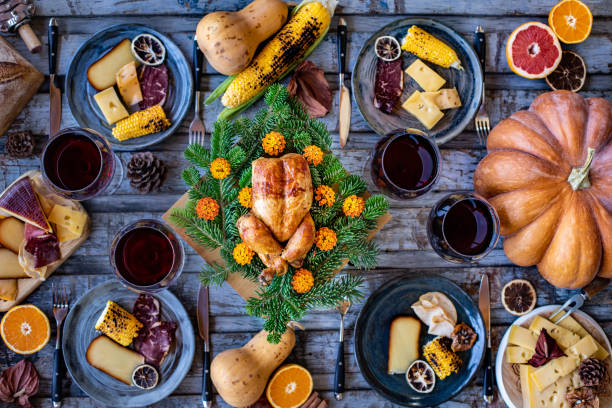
(145,377)
(289,387)
(533,50)
(519,297)
(387,48)
(25,329)
(570,74)
(148,49)
(420,376)
(571,20)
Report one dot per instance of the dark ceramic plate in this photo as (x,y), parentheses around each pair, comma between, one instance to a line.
(79,332)
(80,93)
(393,299)
(468,82)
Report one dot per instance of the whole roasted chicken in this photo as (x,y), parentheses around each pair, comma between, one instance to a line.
(279,228)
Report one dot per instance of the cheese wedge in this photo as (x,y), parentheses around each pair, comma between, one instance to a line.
(117,361)
(523,337)
(564,337)
(426,112)
(426,77)
(571,324)
(110,105)
(102,74)
(66,217)
(552,396)
(9,265)
(444,98)
(518,355)
(11,233)
(127,82)
(403,344)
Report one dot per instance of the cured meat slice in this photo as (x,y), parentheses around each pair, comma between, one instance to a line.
(154,343)
(154,86)
(388,84)
(147,310)
(43,247)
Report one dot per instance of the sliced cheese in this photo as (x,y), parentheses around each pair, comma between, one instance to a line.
(564,337)
(444,98)
(11,233)
(426,112)
(8,289)
(403,344)
(518,355)
(127,82)
(9,265)
(571,324)
(523,337)
(117,361)
(552,371)
(527,387)
(553,396)
(64,234)
(68,218)
(102,74)
(426,77)
(110,105)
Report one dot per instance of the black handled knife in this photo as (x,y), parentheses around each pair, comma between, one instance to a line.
(344,118)
(55,95)
(484,304)
(480,46)
(203,327)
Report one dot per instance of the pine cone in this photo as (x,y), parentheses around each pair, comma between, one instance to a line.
(584,397)
(592,372)
(146,172)
(20,144)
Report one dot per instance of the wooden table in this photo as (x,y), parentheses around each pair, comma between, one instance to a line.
(404,246)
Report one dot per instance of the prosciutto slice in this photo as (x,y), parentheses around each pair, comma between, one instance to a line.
(43,247)
(156,337)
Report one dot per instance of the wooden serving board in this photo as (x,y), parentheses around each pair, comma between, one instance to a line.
(27,285)
(245,288)
(511,376)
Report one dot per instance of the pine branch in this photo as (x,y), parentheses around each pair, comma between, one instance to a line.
(332,170)
(236,156)
(191,176)
(245,177)
(375,207)
(198,156)
(213,275)
(352,184)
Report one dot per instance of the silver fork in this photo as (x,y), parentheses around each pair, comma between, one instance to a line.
(60,310)
(482,122)
(197,131)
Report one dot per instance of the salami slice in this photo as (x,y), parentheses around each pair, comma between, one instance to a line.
(154,85)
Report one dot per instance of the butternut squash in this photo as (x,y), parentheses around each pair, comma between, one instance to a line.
(240,375)
(229,39)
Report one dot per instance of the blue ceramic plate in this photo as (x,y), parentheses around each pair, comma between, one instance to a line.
(468,82)
(393,299)
(79,332)
(80,93)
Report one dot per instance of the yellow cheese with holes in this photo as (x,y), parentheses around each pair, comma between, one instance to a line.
(110,105)
(518,355)
(66,217)
(552,371)
(444,98)
(571,324)
(426,77)
(553,396)
(523,337)
(564,337)
(64,234)
(127,82)
(426,112)
(527,388)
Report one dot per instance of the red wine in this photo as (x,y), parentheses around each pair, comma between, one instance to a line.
(144,256)
(468,227)
(72,161)
(410,162)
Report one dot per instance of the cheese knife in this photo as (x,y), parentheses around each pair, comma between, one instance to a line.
(203,328)
(484,304)
(344,117)
(55,95)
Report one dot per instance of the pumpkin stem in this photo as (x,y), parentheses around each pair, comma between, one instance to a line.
(579,176)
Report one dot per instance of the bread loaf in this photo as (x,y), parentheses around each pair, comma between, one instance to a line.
(19,81)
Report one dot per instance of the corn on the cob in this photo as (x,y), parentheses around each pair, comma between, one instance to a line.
(441,358)
(141,123)
(427,47)
(280,54)
(118,324)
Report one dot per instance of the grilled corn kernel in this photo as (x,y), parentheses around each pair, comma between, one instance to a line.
(141,123)
(118,324)
(425,46)
(441,358)
(287,47)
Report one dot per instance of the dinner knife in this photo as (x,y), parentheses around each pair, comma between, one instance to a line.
(484,304)
(203,327)
(55,95)
(344,117)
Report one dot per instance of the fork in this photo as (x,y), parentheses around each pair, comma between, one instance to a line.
(197,131)
(482,122)
(60,310)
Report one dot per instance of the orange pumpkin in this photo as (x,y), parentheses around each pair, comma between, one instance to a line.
(548,173)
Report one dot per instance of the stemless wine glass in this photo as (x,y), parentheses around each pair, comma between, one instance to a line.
(147,256)
(404,164)
(79,164)
(463,227)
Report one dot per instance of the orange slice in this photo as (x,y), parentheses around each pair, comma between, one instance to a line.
(571,20)
(289,387)
(25,329)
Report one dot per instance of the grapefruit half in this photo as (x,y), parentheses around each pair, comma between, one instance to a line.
(533,50)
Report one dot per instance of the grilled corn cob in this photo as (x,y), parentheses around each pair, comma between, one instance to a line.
(425,46)
(290,45)
(118,324)
(141,123)
(441,358)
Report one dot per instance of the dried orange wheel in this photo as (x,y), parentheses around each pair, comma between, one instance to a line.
(25,329)
(571,20)
(289,387)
